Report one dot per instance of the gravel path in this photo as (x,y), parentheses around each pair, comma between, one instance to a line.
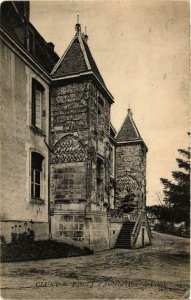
(159,271)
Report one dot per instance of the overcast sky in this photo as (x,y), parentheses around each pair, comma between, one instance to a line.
(142,51)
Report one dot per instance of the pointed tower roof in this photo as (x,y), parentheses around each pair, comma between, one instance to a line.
(77,58)
(129,131)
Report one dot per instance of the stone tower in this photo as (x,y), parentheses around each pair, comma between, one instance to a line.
(81,147)
(130,166)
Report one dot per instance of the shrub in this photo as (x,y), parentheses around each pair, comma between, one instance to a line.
(40,250)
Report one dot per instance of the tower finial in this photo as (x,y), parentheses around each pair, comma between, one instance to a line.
(78,26)
(85,34)
(129,110)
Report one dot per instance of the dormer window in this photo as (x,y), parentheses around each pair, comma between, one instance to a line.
(38,111)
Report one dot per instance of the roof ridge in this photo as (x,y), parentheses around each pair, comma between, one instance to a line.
(134,125)
(84,52)
(94,68)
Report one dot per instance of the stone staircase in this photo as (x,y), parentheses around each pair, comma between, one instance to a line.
(124,238)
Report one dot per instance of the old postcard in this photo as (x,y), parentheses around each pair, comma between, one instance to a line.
(95,194)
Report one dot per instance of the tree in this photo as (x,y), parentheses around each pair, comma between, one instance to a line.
(127,204)
(177,193)
(164,213)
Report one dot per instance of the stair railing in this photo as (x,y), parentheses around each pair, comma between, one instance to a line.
(136,229)
(148,227)
(133,217)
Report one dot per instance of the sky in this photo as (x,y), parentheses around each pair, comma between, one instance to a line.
(142,51)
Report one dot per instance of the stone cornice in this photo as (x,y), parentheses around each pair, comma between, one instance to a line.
(138,141)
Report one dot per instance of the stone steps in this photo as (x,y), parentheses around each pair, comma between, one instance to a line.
(124,238)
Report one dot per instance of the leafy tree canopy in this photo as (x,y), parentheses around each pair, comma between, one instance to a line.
(177,193)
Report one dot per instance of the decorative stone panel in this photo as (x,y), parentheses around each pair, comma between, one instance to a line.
(69,149)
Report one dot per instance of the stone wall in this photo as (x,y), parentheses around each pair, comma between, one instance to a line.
(18,140)
(69,104)
(99,140)
(80,124)
(114,230)
(70,227)
(96,230)
(131,172)
(41,229)
(68,182)
(143,238)
(69,140)
(75,132)
(99,232)
(72,224)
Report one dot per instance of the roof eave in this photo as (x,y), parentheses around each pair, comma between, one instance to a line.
(135,141)
(104,88)
(85,73)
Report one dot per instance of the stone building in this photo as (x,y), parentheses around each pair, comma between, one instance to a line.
(26,62)
(131,165)
(72,177)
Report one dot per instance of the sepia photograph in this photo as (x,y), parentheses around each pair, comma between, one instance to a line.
(95,156)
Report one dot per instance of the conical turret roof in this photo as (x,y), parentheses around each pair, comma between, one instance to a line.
(77,58)
(128,131)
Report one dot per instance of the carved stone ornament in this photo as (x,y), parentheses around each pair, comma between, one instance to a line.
(69,149)
(127,182)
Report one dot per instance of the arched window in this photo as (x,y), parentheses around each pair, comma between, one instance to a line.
(36,175)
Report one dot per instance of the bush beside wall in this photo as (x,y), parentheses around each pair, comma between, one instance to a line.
(40,250)
(165,228)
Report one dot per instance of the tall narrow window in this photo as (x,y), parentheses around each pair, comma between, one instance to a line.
(36,175)
(111,161)
(100,186)
(37,103)
(100,118)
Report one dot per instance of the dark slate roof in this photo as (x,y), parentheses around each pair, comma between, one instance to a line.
(128,131)
(18,26)
(77,59)
(73,61)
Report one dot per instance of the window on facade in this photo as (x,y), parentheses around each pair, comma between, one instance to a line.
(36,175)
(111,161)
(100,118)
(100,186)
(37,104)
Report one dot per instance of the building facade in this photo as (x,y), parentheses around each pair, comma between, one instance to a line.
(67,174)
(25,90)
